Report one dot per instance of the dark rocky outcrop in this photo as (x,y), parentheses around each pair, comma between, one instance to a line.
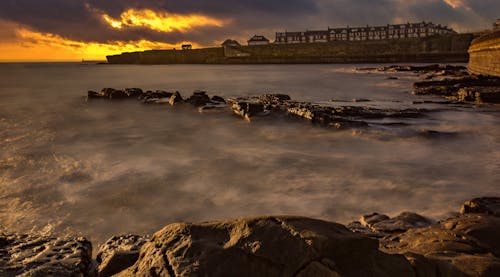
(157,97)
(198,99)
(37,255)
(477,89)
(482,205)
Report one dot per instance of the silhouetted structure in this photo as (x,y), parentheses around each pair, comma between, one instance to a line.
(230,42)
(258,40)
(496,25)
(398,31)
(187,47)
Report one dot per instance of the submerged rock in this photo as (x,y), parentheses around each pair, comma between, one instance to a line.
(265,246)
(35,255)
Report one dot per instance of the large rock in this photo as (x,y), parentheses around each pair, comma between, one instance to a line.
(265,246)
(34,255)
(468,245)
(119,253)
(484,205)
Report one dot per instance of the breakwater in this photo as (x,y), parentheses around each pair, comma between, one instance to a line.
(449,48)
(485,54)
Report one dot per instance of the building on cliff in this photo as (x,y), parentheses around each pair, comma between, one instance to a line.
(258,40)
(230,43)
(398,31)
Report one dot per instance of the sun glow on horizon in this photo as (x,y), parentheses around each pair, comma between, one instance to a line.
(32,45)
(161,21)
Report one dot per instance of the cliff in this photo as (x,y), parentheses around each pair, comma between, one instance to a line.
(450,48)
(485,54)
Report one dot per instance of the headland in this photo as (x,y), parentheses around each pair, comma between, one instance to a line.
(412,42)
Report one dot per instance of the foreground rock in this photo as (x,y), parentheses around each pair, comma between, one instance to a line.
(468,245)
(119,253)
(33,255)
(265,246)
(405,245)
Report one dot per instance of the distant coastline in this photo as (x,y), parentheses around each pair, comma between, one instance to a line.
(436,49)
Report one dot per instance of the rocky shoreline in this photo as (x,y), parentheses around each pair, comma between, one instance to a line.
(454,83)
(376,245)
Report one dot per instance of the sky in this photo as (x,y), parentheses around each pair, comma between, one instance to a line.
(70,30)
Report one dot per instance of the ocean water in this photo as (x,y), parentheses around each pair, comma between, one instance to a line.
(103,168)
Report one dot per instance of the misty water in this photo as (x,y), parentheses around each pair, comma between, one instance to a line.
(103,168)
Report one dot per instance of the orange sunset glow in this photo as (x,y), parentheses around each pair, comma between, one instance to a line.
(31,45)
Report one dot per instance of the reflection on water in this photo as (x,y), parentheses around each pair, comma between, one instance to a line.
(105,168)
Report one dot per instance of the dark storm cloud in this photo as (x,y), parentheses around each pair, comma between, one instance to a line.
(81,19)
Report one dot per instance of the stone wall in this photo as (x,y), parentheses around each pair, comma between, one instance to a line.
(450,48)
(485,55)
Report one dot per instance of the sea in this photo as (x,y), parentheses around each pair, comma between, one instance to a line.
(97,169)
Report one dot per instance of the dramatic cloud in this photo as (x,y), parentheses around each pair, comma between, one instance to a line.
(207,23)
(160,21)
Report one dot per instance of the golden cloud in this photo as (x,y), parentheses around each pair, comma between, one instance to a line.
(161,21)
(32,45)
(456,4)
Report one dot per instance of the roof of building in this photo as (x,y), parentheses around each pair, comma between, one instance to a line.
(258,38)
(230,42)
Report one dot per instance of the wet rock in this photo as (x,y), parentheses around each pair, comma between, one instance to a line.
(247,108)
(464,246)
(93,95)
(199,98)
(479,89)
(34,255)
(484,205)
(175,98)
(217,99)
(118,253)
(274,102)
(479,94)
(210,107)
(134,92)
(265,246)
(117,94)
(449,69)
(155,97)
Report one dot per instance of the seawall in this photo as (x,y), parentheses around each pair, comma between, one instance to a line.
(485,54)
(450,48)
